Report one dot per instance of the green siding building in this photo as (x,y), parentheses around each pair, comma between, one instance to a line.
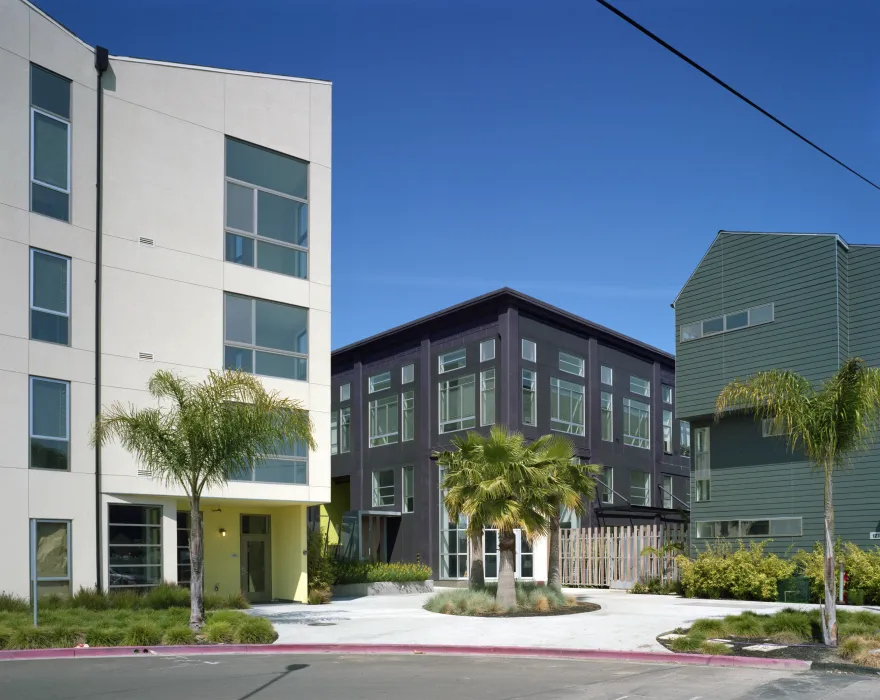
(759,301)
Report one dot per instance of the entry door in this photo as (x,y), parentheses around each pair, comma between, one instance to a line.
(256,572)
(523,562)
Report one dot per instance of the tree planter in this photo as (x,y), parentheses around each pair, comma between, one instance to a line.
(360,590)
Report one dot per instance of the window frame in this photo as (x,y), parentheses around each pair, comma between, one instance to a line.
(741,533)
(484,379)
(696,330)
(524,343)
(442,359)
(33,179)
(606,411)
(31,436)
(35,579)
(345,430)
(608,484)
(647,383)
(557,424)
(345,392)
(610,369)
(667,389)
(412,373)
(407,404)
(636,440)
(32,307)
(462,419)
(487,356)
(382,439)
(667,431)
(294,461)
(334,432)
(571,360)
(375,379)
(377,493)
(702,484)
(647,489)
(667,491)
(684,448)
(408,498)
(533,395)
(160,527)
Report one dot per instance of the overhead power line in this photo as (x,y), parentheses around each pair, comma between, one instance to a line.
(731,90)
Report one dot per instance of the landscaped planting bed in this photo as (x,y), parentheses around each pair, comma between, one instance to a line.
(531,601)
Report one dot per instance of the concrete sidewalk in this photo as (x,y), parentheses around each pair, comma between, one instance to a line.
(626,622)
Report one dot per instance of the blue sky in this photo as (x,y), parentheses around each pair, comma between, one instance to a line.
(548,146)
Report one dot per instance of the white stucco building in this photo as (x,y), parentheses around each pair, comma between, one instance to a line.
(208,236)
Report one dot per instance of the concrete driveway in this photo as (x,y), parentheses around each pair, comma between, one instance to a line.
(625,622)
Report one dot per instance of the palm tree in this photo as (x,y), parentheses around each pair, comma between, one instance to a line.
(829,424)
(199,436)
(575,488)
(500,481)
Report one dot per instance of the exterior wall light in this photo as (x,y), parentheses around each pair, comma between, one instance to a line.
(222,532)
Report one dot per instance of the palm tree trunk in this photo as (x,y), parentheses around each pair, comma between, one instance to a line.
(478,574)
(829,613)
(506,595)
(197,577)
(554,579)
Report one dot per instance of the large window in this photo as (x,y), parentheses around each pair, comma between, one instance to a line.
(457,404)
(487,397)
(184,566)
(383,488)
(529,397)
(135,545)
(334,433)
(754,316)
(409,500)
(606,485)
(452,360)
(453,542)
(408,411)
(571,364)
(636,423)
(639,488)
(50,144)
(607,416)
(379,382)
(702,465)
(685,436)
(667,491)
(566,407)
(50,297)
(640,386)
(289,466)
(383,421)
(345,430)
(266,337)
(757,527)
(50,540)
(667,432)
(49,424)
(267,211)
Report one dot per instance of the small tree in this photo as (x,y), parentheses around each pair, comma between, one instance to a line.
(199,436)
(829,424)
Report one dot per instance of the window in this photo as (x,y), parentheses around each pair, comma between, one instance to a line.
(754,316)
(639,488)
(636,424)
(667,491)
(529,397)
(49,424)
(453,360)
(702,467)
(266,337)
(667,432)
(408,415)
(135,545)
(344,430)
(487,397)
(765,527)
(383,421)
(407,374)
(571,364)
(345,392)
(566,407)
(379,382)
(50,542)
(457,404)
(606,485)
(334,433)
(487,350)
(453,543)
(529,350)
(409,501)
(772,428)
(50,144)
(184,568)
(685,438)
(383,488)
(666,390)
(50,297)
(607,375)
(568,518)
(607,416)
(640,386)
(267,210)
(290,465)
(490,553)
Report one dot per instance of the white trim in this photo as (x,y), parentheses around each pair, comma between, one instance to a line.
(66,122)
(40,308)
(227,71)
(66,438)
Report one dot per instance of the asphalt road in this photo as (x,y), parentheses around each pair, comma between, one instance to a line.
(362,677)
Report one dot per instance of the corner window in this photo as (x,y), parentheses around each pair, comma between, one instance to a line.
(50,144)
(685,438)
(487,397)
(457,404)
(606,375)
(267,210)
(640,488)
(529,397)
(383,488)
(379,382)
(345,430)
(408,415)
(667,492)
(606,485)
(408,490)
(640,386)
(50,297)
(452,360)
(345,392)
(566,407)
(636,424)
(289,465)
(383,421)
(529,350)
(571,364)
(135,545)
(666,390)
(50,540)
(407,374)
(266,337)
(334,433)
(702,466)
(667,432)
(49,424)
(607,416)
(487,350)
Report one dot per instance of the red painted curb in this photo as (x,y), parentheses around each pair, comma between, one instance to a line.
(462,650)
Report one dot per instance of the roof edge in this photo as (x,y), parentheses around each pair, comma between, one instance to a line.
(214,69)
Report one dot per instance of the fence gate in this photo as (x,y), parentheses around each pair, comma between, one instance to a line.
(612,556)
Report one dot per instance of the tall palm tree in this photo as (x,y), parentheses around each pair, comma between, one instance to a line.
(575,487)
(500,482)
(199,436)
(828,423)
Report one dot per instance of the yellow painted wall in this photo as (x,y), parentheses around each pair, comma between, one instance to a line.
(331,513)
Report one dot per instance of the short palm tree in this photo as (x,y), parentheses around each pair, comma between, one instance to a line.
(199,436)
(828,423)
(500,482)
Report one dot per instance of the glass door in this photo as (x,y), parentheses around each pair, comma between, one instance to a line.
(256,574)
(523,562)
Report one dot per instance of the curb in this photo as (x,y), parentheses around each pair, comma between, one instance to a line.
(406,649)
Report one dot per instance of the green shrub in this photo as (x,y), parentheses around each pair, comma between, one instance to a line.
(143,634)
(745,573)
(372,572)
(125,599)
(255,630)
(230,601)
(656,586)
(53,602)
(747,625)
(219,631)
(320,596)
(179,634)
(105,637)
(792,625)
(233,617)
(685,644)
(715,648)
(13,603)
(167,595)
(90,599)
(32,638)
(6,634)
(709,628)
(66,637)
(862,567)
(462,601)
(321,564)
(639,588)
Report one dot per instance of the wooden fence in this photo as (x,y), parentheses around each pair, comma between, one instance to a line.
(612,556)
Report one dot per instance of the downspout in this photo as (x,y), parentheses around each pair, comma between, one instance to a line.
(102,63)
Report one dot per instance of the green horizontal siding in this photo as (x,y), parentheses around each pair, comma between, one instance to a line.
(864,303)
